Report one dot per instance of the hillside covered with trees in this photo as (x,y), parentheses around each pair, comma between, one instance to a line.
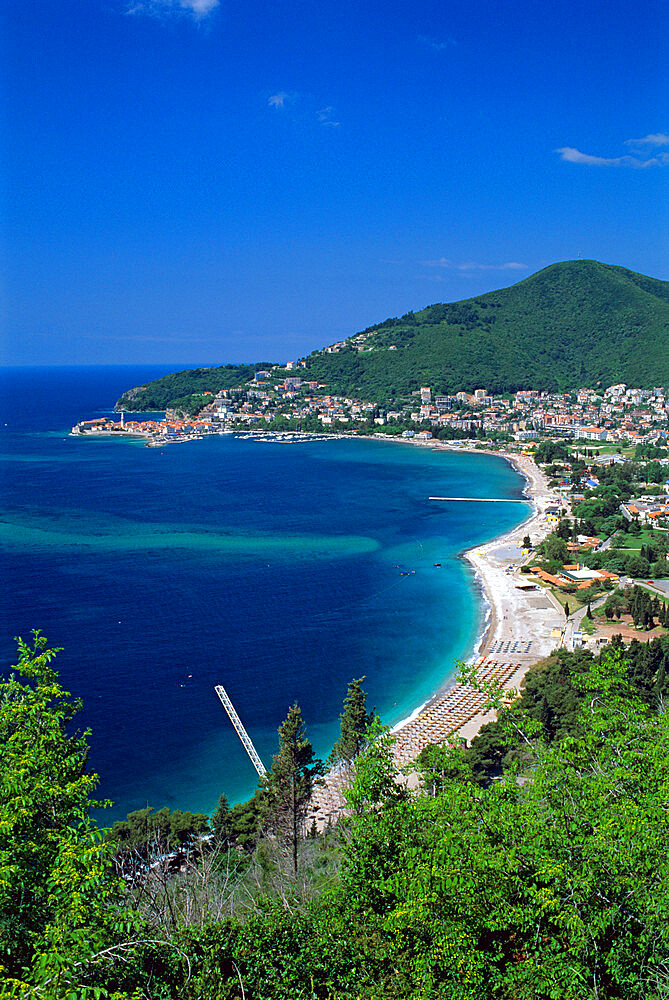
(175,388)
(531,865)
(572,324)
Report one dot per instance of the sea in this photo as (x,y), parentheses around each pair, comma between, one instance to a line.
(280,570)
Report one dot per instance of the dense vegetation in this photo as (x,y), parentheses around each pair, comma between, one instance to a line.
(177,388)
(531,865)
(574,323)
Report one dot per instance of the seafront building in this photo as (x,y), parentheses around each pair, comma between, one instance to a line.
(275,397)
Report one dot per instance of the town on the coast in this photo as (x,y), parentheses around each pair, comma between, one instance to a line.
(334,500)
(596,462)
(588,569)
(557,719)
(280,400)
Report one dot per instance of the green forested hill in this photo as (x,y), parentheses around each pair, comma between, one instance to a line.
(165,391)
(572,324)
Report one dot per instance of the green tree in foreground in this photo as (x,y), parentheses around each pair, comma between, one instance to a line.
(221,822)
(289,785)
(554,886)
(58,894)
(555,548)
(355,721)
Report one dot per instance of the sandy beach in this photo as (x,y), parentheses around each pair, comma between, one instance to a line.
(519,627)
(518,634)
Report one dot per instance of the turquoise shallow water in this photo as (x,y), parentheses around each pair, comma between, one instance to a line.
(280,571)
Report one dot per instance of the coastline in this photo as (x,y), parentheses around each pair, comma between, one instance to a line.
(517,629)
(515,625)
(505,607)
(516,634)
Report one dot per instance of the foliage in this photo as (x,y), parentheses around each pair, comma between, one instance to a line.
(645,609)
(552,698)
(289,785)
(573,323)
(554,548)
(355,721)
(58,894)
(147,834)
(550,451)
(179,386)
(531,865)
(550,887)
(246,820)
(221,822)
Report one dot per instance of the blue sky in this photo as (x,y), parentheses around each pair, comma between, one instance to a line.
(200,181)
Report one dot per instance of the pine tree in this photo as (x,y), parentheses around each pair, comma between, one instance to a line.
(588,613)
(354,724)
(221,822)
(289,785)
(566,609)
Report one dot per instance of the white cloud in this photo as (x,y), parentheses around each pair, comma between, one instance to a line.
(200,7)
(510,265)
(572,155)
(278,100)
(437,44)
(197,9)
(301,108)
(473,265)
(324,116)
(655,139)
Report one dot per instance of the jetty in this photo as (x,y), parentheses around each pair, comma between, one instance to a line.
(224,698)
(480,499)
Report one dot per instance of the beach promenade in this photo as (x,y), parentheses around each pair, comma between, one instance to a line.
(519,633)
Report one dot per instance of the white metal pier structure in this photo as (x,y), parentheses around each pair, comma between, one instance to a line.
(478,500)
(239,729)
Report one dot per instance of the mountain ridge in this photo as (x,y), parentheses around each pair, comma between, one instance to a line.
(573,323)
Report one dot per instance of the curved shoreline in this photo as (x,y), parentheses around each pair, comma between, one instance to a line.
(484,594)
(512,633)
(516,633)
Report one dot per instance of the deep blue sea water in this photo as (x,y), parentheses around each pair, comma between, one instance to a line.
(280,571)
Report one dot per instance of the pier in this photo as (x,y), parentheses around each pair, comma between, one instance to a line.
(480,499)
(239,729)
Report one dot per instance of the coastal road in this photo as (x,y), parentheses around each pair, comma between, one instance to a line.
(660,587)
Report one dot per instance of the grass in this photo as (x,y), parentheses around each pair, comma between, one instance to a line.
(612,448)
(576,601)
(628,541)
